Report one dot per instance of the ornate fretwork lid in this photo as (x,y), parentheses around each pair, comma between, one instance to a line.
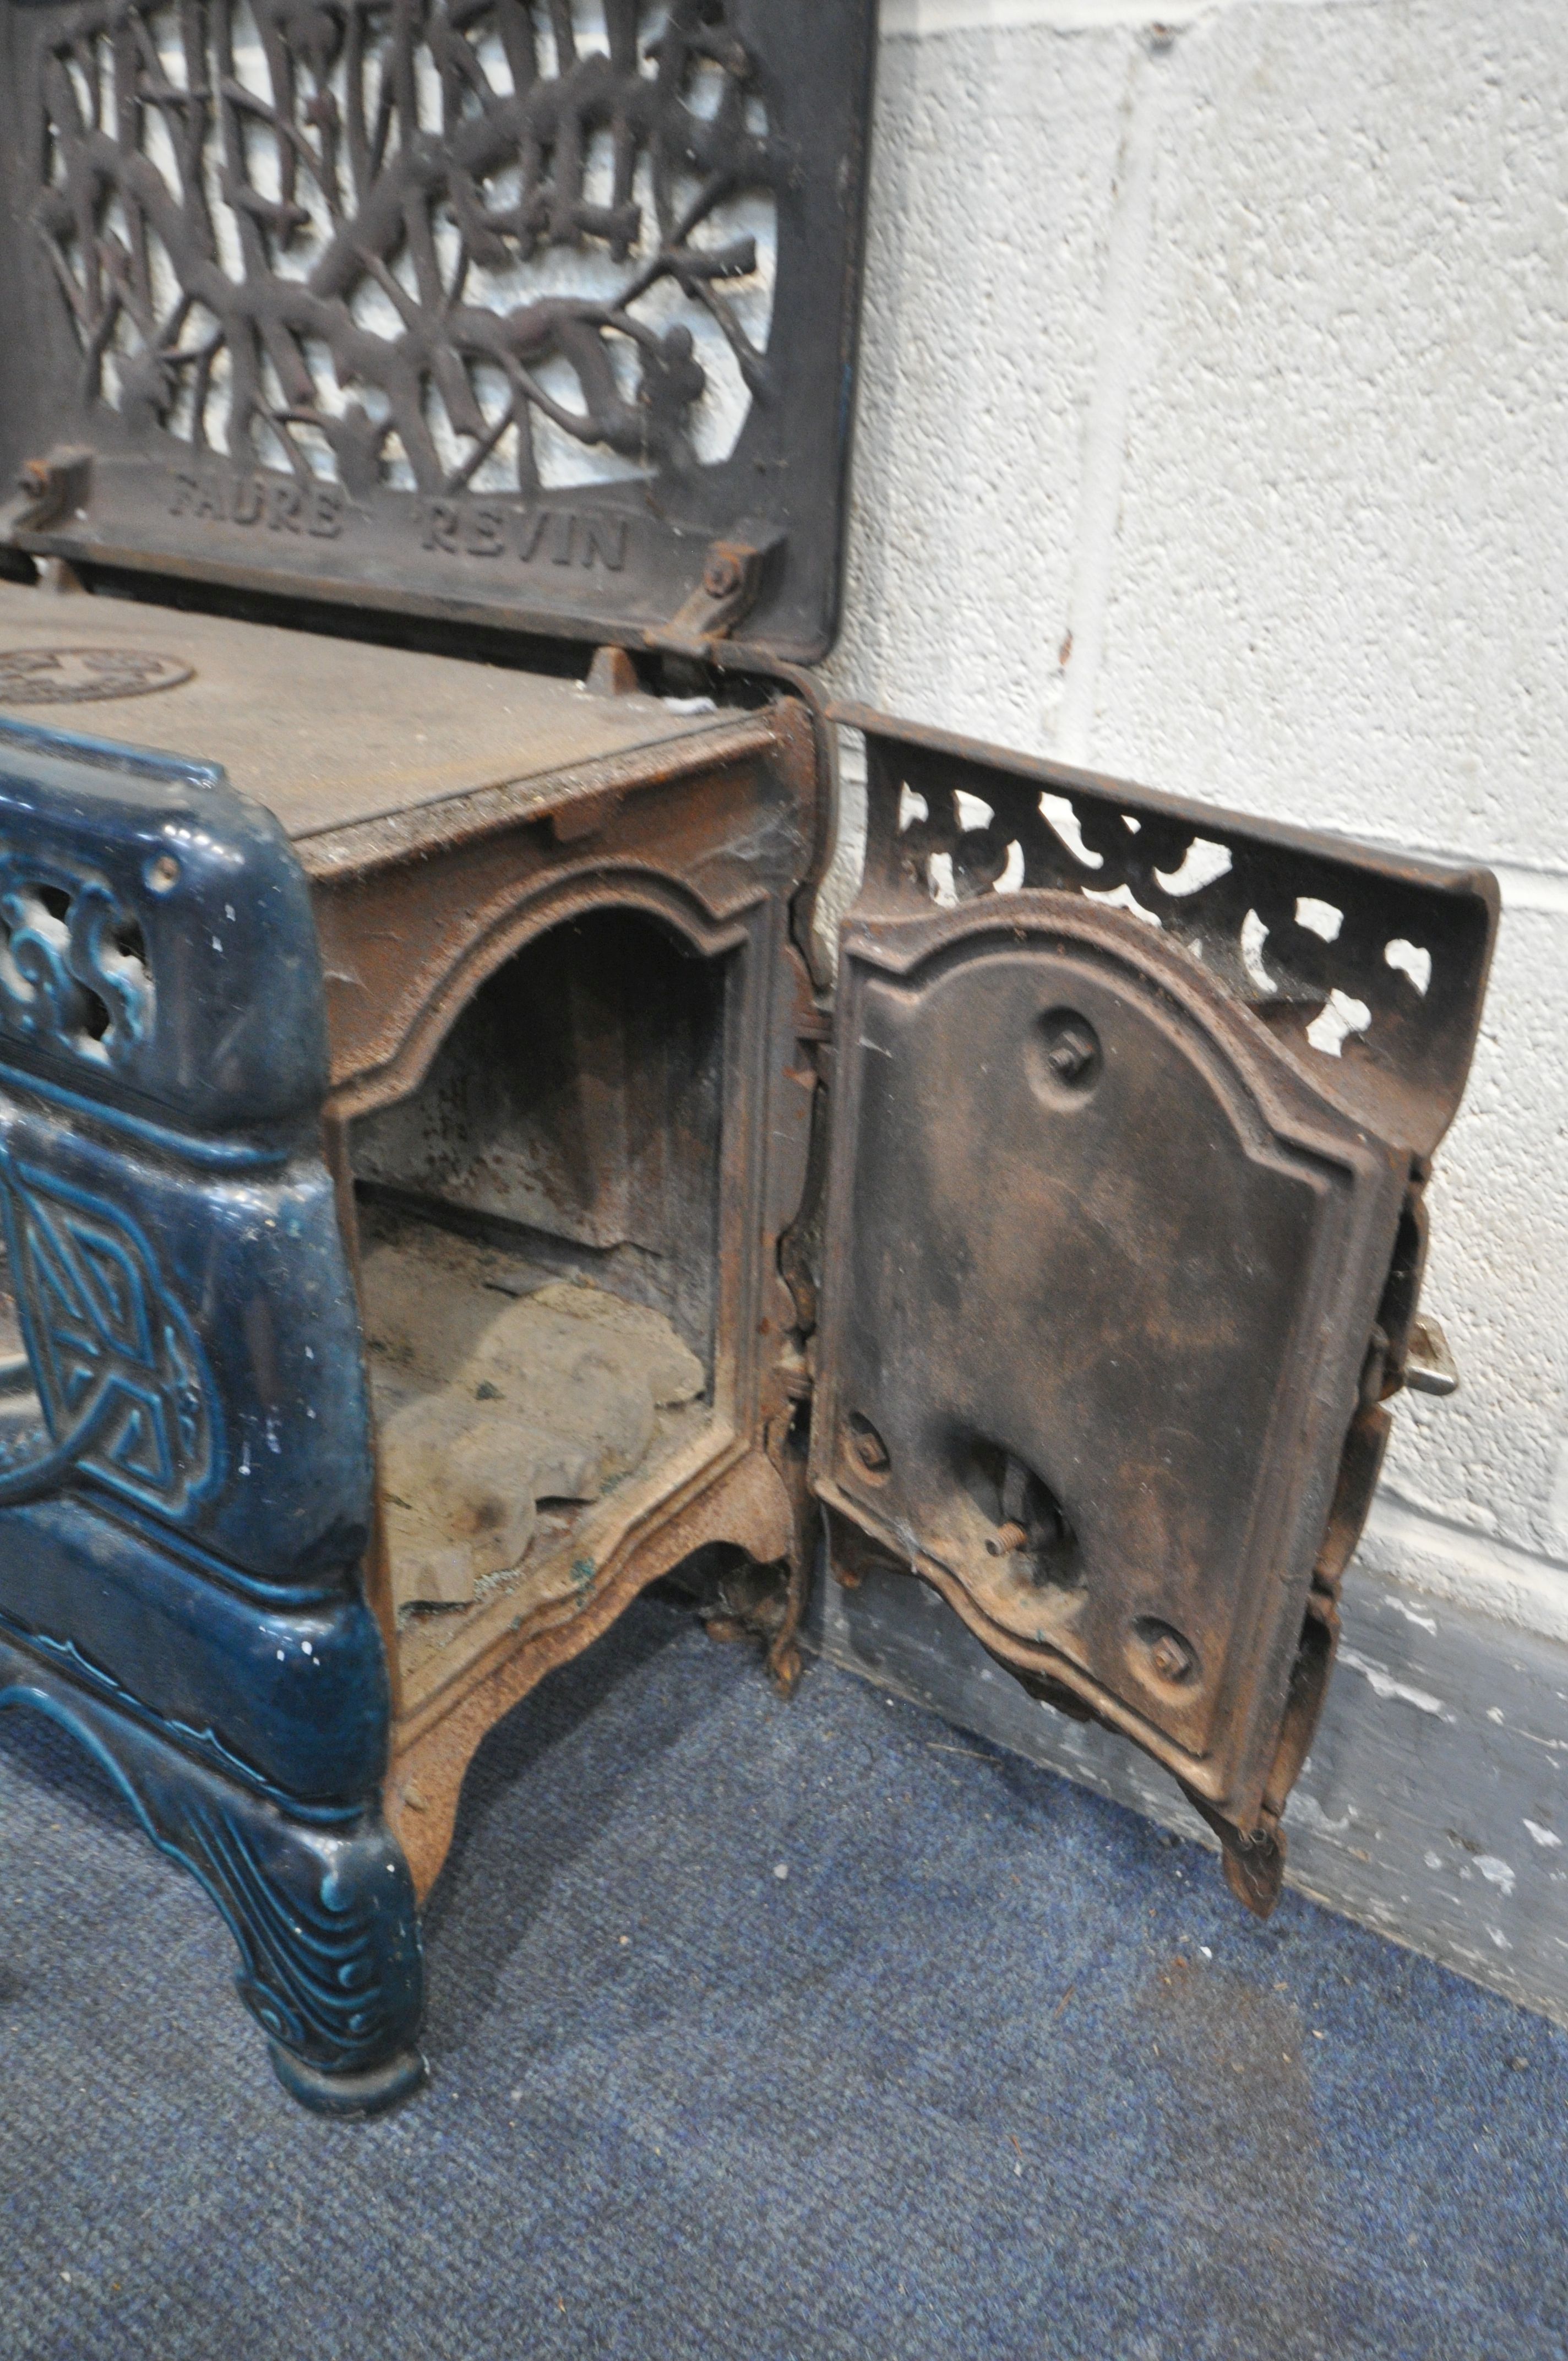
(536,312)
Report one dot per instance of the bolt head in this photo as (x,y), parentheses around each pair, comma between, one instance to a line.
(868,1446)
(721,576)
(1172,1661)
(1064,1053)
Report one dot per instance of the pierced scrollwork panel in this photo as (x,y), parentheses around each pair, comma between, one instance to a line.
(468,244)
(1372,961)
(75,976)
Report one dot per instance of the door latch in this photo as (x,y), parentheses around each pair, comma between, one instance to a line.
(1429,1367)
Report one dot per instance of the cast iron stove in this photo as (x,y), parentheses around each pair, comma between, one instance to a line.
(443,1192)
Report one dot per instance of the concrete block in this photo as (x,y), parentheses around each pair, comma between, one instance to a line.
(994,158)
(1337,592)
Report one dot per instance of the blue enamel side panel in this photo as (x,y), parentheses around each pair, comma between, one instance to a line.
(293,1701)
(156,947)
(185,1453)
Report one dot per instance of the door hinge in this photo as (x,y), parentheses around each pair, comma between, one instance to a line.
(732,579)
(48,489)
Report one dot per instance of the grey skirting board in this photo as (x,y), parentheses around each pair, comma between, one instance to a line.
(1434,1804)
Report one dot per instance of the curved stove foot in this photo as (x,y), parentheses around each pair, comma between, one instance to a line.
(375,2092)
(321,1903)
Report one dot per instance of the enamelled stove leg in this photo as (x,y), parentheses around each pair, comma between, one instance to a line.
(321,1906)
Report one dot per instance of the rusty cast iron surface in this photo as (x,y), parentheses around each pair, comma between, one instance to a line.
(1135,1103)
(464,310)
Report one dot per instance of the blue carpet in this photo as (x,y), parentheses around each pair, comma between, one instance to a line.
(996,2070)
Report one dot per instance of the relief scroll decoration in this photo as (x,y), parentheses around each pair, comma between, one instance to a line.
(467,245)
(120,1377)
(324,1917)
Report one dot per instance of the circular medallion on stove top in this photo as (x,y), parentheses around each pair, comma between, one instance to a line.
(84,675)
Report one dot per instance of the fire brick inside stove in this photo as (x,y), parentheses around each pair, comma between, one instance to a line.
(538,1241)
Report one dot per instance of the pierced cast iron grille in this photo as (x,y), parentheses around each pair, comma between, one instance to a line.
(518,306)
(1373,965)
(331,236)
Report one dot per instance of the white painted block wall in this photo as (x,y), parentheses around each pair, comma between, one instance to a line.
(1213,432)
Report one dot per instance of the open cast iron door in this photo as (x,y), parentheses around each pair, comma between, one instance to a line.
(1133,1104)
